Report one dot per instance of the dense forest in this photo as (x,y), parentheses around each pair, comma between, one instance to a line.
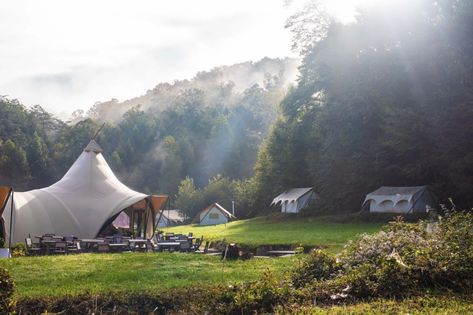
(202,130)
(386,100)
(383,101)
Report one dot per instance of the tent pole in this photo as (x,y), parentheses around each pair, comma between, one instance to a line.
(11,220)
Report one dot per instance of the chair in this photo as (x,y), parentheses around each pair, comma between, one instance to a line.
(150,247)
(74,248)
(206,248)
(197,243)
(32,248)
(185,246)
(69,238)
(60,248)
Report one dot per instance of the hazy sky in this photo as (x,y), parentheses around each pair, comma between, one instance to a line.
(66,55)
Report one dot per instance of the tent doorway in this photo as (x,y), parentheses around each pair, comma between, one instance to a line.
(137,220)
(5,193)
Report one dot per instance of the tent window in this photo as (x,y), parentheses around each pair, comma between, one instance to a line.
(402,203)
(387,204)
(213,216)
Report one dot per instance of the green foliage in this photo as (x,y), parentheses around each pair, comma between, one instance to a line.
(196,128)
(189,198)
(401,260)
(260,296)
(18,250)
(6,292)
(376,105)
(318,266)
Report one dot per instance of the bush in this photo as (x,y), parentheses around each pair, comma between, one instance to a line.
(260,296)
(318,266)
(400,260)
(6,292)
(18,250)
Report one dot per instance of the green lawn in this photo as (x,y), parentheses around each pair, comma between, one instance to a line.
(283,230)
(130,272)
(142,272)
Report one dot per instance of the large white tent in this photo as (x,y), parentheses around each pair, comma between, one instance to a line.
(417,199)
(81,203)
(294,200)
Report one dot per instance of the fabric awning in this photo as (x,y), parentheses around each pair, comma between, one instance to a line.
(4,195)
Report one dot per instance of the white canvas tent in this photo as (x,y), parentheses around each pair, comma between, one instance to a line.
(88,197)
(294,200)
(213,214)
(415,199)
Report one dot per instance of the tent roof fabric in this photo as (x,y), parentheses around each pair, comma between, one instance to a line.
(396,194)
(80,203)
(291,195)
(4,194)
(93,147)
(386,190)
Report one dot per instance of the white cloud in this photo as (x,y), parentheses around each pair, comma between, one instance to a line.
(66,55)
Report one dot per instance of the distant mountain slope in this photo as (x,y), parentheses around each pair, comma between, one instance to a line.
(218,85)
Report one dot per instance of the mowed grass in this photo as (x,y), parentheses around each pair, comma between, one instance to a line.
(131,272)
(310,231)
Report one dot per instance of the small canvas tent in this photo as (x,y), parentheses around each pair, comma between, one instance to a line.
(87,199)
(170,218)
(213,214)
(294,200)
(400,199)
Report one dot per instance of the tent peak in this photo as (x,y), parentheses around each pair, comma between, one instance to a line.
(93,147)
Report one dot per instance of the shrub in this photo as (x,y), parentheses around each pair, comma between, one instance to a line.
(399,260)
(261,296)
(6,292)
(18,250)
(318,266)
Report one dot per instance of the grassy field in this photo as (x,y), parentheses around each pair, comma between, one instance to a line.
(282,230)
(130,272)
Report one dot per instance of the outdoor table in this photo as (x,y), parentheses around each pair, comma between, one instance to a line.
(168,245)
(137,241)
(118,246)
(86,243)
(48,245)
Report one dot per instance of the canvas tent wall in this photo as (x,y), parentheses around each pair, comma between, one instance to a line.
(81,203)
(213,214)
(415,199)
(294,200)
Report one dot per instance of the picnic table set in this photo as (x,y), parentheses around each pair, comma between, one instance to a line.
(49,244)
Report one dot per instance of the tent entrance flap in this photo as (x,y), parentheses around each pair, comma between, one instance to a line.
(5,192)
(140,217)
